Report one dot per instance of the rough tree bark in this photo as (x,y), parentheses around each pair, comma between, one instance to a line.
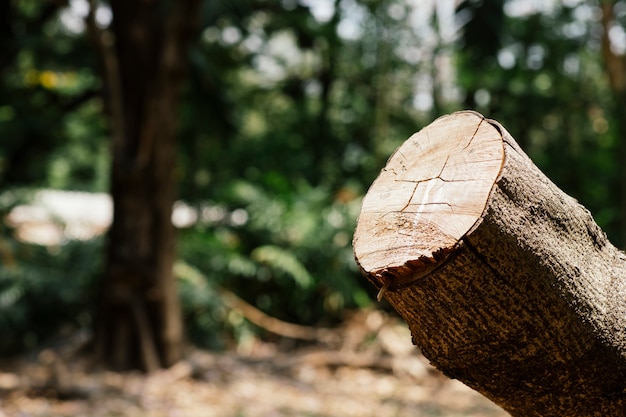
(506,283)
(144,55)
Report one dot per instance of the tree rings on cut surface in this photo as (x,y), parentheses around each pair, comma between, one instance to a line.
(432,191)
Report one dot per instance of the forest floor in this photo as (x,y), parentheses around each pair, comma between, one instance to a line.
(369,369)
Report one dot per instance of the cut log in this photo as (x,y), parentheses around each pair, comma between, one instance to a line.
(506,283)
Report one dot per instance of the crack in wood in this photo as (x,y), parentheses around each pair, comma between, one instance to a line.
(411,197)
(474,135)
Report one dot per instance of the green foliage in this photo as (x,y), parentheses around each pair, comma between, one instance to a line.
(46,289)
(542,77)
(286,165)
(205,315)
(288,113)
(284,263)
(51,121)
(291,258)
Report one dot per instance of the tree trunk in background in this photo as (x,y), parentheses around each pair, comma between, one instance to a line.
(139,322)
(615,66)
(506,283)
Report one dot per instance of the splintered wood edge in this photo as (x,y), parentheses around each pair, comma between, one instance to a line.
(432,191)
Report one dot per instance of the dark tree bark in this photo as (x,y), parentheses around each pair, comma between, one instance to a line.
(506,283)
(144,56)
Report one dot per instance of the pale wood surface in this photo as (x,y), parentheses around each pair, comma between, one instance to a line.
(432,191)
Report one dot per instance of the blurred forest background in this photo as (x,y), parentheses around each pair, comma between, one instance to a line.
(286,111)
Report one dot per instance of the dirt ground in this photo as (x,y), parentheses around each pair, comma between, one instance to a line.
(368,369)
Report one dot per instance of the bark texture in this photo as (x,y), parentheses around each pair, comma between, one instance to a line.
(144,55)
(526,303)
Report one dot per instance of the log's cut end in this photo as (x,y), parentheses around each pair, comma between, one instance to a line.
(430,194)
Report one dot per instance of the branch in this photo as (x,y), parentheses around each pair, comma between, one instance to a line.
(274,325)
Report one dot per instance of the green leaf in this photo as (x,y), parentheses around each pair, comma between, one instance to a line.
(284,261)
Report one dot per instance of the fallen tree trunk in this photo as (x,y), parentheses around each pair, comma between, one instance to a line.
(506,283)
